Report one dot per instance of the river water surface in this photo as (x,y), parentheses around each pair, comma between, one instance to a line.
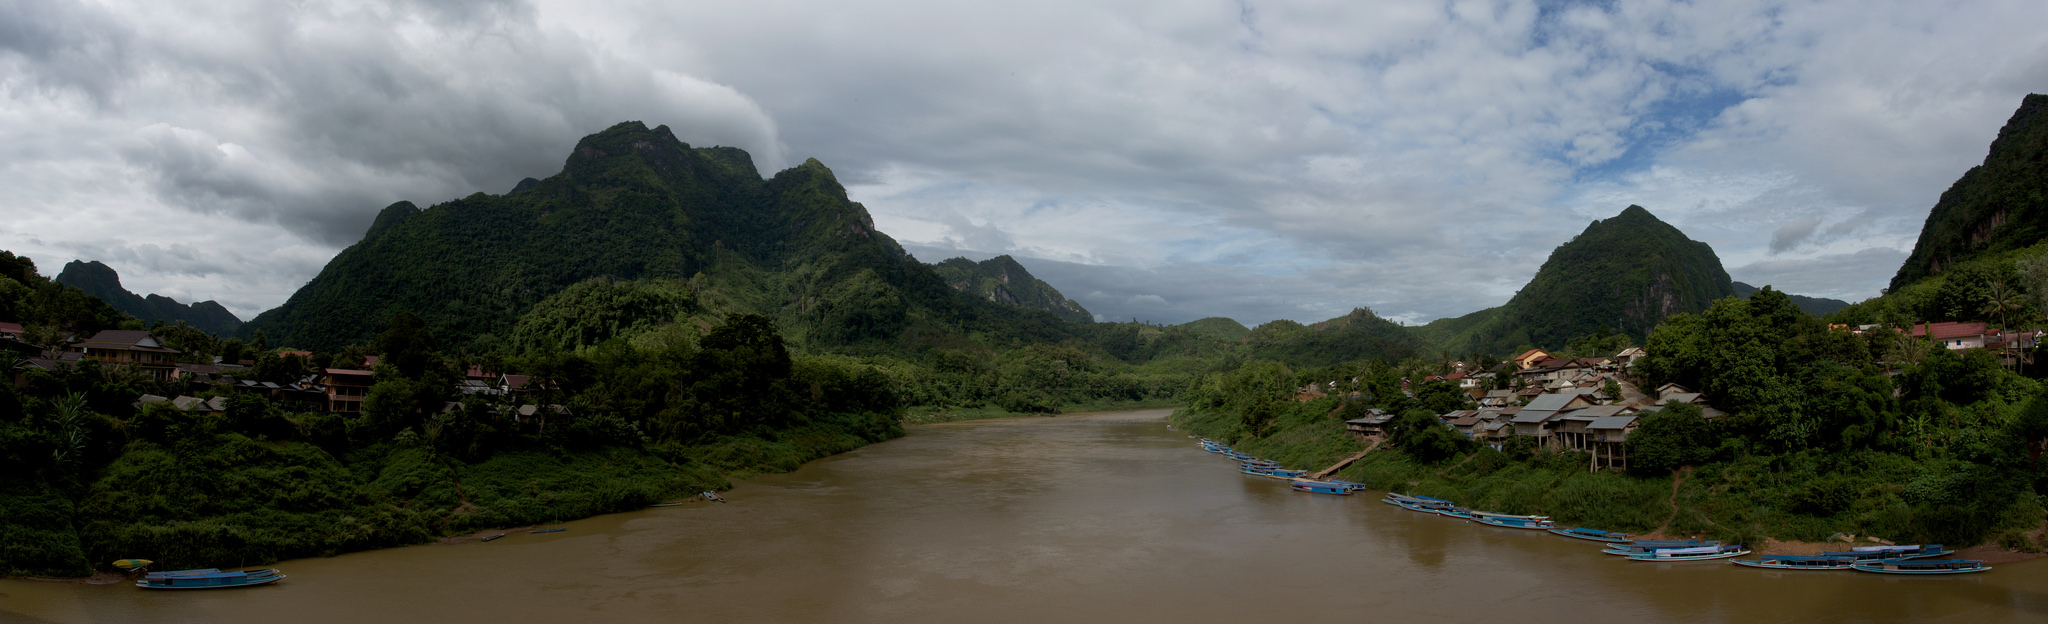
(1092,518)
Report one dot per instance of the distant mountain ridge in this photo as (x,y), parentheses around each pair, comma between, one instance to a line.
(1998,206)
(99,280)
(633,204)
(1002,280)
(1816,306)
(1625,273)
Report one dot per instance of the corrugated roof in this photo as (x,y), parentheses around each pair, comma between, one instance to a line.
(1533,416)
(1615,423)
(1550,402)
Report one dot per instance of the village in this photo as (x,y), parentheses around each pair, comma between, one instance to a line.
(330,390)
(1591,404)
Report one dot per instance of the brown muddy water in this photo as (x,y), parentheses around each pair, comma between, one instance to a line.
(1092,518)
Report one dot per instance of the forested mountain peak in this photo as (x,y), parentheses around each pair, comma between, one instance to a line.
(632,204)
(1002,280)
(1625,273)
(101,281)
(1997,206)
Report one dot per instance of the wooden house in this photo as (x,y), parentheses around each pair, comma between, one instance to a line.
(346,389)
(125,347)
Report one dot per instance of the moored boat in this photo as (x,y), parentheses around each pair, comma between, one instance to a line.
(1256,471)
(1797,562)
(1283,473)
(1490,514)
(1638,547)
(1453,511)
(1320,487)
(1702,553)
(1612,537)
(1511,522)
(208,579)
(1902,551)
(1902,566)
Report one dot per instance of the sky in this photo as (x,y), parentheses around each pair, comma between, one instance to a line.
(1159,161)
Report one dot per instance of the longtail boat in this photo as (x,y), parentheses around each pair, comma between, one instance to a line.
(1903,551)
(1320,487)
(1797,562)
(1511,522)
(208,579)
(1638,547)
(1612,537)
(1490,514)
(1900,566)
(1702,553)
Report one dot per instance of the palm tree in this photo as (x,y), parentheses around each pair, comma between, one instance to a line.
(2004,301)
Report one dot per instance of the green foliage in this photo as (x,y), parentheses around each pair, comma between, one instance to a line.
(1002,280)
(101,282)
(1993,208)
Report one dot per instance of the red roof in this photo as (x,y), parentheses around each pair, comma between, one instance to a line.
(1944,331)
(346,371)
(1525,354)
(10,329)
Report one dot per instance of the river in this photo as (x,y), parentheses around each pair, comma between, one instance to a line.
(1091,518)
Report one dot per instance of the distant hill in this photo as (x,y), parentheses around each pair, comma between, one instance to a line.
(1218,327)
(684,234)
(99,280)
(1816,306)
(1998,206)
(1002,280)
(1625,273)
(1359,335)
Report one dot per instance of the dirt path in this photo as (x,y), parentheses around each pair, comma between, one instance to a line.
(1632,396)
(1676,480)
(1326,472)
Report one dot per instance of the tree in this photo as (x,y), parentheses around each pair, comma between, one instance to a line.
(1664,440)
(406,345)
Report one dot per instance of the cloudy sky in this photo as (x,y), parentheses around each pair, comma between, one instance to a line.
(1156,160)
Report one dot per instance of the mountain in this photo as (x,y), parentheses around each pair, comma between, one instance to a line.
(1997,206)
(1217,326)
(1002,280)
(1625,273)
(695,231)
(1811,305)
(1359,335)
(99,280)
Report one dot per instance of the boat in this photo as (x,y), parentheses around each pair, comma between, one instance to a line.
(1612,537)
(1401,498)
(1320,487)
(1453,511)
(1256,471)
(1490,514)
(1511,522)
(553,530)
(713,496)
(208,579)
(492,537)
(1904,551)
(1283,473)
(1639,547)
(1901,566)
(1354,485)
(1701,553)
(1797,562)
(1259,462)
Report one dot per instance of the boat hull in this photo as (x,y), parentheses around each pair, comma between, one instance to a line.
(1771,565)
(1653,558)
(1591,538)
(1898,566)
(1510,523)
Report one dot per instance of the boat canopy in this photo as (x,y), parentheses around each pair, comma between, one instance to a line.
(1703,550)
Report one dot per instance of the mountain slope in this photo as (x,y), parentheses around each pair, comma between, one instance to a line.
(1360,335)
(1002,280)
(1625,273)
(633,203)
(1816,306)
(99,280)
(1997,206)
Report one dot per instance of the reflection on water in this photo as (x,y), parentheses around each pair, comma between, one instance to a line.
(1104,517)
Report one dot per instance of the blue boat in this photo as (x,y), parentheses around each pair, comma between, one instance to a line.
(1320,487)
(1511,522)
(1900,566)
(1638,547)
(1404,498)
(1889,553)
(1798,562)
(1612,537)
(1702,553)
(1283,473)
(1251,470)
(1453,511)
(208,579)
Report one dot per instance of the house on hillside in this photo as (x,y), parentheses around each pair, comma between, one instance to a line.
(346,389)
(1535,418)
(1574,428)
(1529,358)
(1373,424)
(131,348)
(1497,398)
(1953,336)
(1609,438)
(1627,357)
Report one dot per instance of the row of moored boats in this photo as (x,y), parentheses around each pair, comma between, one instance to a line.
(1913,559)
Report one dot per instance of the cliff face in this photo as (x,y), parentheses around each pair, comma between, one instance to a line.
(1996,206)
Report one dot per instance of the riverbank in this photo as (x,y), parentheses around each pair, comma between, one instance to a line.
(1753,499)
(931,416)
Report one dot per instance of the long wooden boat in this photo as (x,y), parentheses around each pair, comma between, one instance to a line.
(1612,537)
(1490,514)
(1453,511)
(1283,473)
(1901,566)
(1404,498)
(1639,547)
(1904,551)
(1702,553)
(215,579)
(1256,471)
(1511,522)
(1797,562)
(1320,487)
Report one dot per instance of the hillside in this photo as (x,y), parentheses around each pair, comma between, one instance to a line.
(1816,306)
(99,280)
(2000,205)
(1626,273)
(1360,335)
(1218,327)
(1002,280)
(633,203)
